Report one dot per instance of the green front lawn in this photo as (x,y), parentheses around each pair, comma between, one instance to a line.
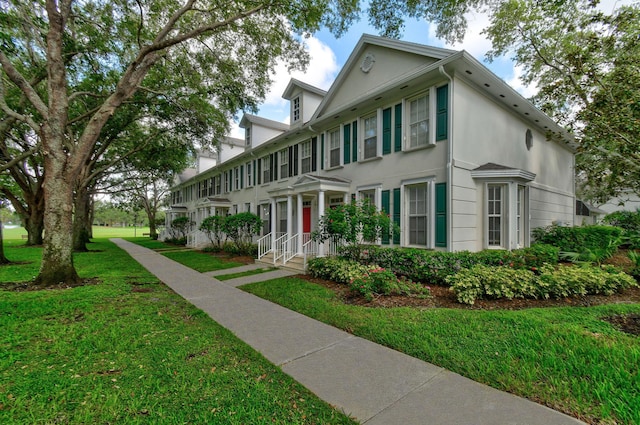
(126,349)
(566,358)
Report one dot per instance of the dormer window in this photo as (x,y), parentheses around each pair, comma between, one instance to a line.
(247,136)
(295,113)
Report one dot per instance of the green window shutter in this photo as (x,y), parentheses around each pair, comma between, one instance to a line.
(386,208)
(396,214)
(255,172)
(386,131)
(347,144)
(397,136)
(441,214)
(242,177)
(442,112)
(322,152)
(354,152)
(314,154)
(259,171)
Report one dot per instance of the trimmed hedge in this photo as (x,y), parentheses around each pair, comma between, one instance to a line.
(480,282)
(433,267)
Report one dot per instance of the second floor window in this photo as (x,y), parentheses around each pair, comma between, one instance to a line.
(249,181)
(266,170)
(236,178)
(334,147)
(305,156)
(370,140)
(284,163)
(418,121)
(247,136)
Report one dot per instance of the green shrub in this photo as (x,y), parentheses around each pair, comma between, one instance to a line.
(634,256)
(433,267)
(579,238)
(380,281)
(482,281)
(629,221)
(336,269)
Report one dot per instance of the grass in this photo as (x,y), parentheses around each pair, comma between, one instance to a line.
(247,273)
(566,358)
(128,350)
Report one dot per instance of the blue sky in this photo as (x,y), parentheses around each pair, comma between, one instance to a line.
(329,54)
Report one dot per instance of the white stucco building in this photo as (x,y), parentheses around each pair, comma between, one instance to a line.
(455,156)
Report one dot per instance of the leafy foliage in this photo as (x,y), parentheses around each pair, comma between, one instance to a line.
(354,224)
(629,221)
(381,281)
(336,269)
(480,282)
(240,228)
(587,66)
(577,237)
(212,226)
(434,266)
(180,227)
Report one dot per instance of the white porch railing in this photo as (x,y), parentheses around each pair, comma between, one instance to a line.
(264,245)
(311,249)
(290,248)
(278,248)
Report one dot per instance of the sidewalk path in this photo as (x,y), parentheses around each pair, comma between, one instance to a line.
(372,383)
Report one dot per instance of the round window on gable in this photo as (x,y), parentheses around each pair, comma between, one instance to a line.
(528,139)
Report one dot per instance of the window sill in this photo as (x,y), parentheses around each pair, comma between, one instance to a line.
(375,158)
(337,167)
(419,148)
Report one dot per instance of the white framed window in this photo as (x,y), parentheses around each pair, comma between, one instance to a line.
(418,121)
(247,136)
(236,178)
(284,163)
(295,109)
(227,182)
(417,214)
(334,147)
(368,195)
(249,174)
(496,201)
(266,169)
(212,182)
(247,207)
(370,136)
(305,157)
(218,188)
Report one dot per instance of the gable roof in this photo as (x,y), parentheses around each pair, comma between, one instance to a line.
(366,40)
(293,84)
(249,118)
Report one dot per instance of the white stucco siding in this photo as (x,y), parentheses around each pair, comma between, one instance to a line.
(260,134)
(389,65)
(465,212)
(485,131)
(547,206)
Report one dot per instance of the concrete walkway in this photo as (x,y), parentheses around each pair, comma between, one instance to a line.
(372,383)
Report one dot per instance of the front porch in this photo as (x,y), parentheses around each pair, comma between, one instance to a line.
(287,227)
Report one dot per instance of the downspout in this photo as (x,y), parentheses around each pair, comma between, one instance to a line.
(449,162)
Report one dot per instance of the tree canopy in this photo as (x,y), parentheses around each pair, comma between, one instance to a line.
(586,64)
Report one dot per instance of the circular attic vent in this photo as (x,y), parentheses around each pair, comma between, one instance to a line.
(367,62)
(528,139)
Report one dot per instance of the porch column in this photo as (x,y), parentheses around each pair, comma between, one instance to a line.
(289,216)
(320,215)
(272,217)
(345,199)
(299,223)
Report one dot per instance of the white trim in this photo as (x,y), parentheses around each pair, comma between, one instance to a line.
(430,181)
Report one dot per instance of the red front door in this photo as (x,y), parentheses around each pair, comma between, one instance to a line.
(306,219)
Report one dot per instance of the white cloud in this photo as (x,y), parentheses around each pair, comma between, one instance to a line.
(320,72)
(516,82)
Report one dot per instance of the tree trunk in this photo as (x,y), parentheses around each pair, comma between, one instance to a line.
(34,224)
(80,218)
(57,255)
(3,259)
